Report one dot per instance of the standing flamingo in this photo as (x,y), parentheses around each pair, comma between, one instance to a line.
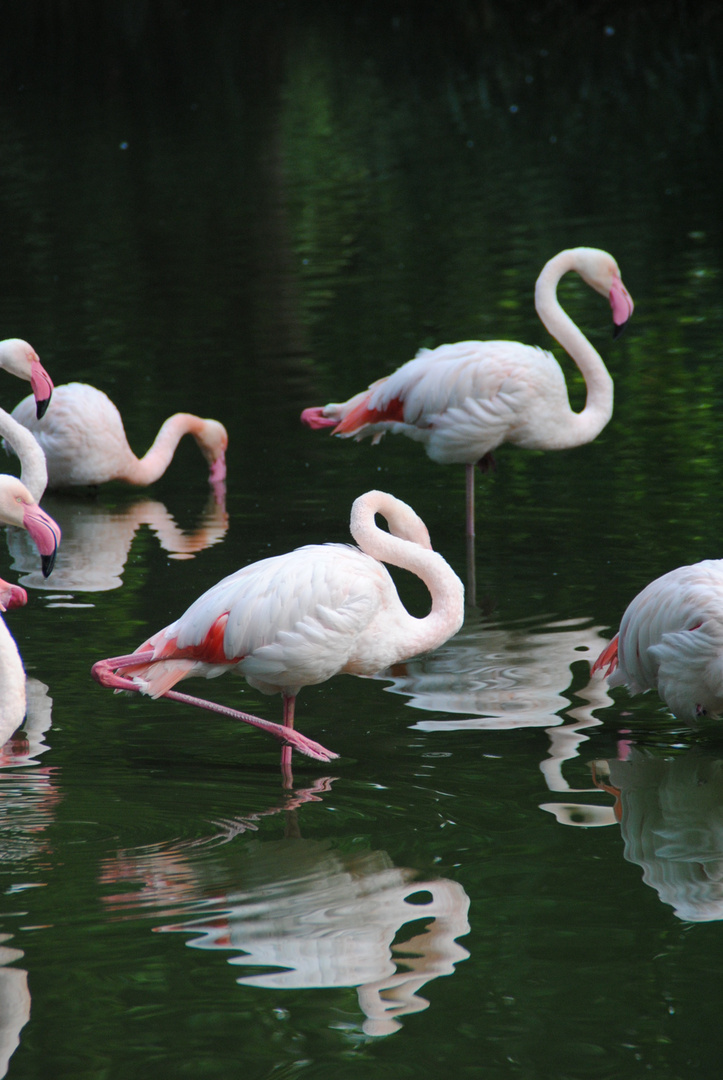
(21,359)
(84,442)
(19,508)
(295,620)
(464,400)
(671,640)
(12,674)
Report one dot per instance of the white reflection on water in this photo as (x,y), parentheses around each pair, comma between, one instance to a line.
(14,1002)
(505,676)
(315,916)
(670,812)
(513,677)
(27,808)
(97,540)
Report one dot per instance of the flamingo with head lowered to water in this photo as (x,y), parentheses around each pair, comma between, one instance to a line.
(671,640)
(464,400)
(84,441)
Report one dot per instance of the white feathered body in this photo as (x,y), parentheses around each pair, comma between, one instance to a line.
(293,620)
(464,400)
(671,640)
(81,434)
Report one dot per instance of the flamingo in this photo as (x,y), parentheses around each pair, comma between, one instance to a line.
(464,400)
(19,508)
(33,467)
(84,442)
(12,674)
(671,640)
(295,620)
(21,359)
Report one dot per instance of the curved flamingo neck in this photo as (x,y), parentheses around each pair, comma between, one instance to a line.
(584,426)
(407,546)
(158,457)
(33,468)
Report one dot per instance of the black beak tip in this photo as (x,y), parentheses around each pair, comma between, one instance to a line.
(41,407)
(48,562)
(618,330)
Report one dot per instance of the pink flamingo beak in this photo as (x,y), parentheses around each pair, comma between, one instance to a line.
(45,534)
(622,304)
(11,596)
(42,387)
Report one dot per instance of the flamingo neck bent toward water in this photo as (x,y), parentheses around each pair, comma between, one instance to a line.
(407,545)
(158,457)
(33,468)
(584,426)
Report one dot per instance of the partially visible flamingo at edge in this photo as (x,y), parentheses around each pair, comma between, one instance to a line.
(671,640)
(20,359)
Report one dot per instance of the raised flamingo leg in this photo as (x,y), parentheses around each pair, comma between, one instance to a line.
(104,672)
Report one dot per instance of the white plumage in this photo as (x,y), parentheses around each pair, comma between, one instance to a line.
(671,640)
(84,441)
(464,400)
(295,620)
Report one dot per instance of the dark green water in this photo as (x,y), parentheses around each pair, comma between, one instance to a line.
(242,211)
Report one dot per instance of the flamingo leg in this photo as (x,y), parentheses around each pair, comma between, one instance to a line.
(105,672)
(286,773)
(469,491)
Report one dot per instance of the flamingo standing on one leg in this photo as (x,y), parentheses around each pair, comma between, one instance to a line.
(671,640)
(21,359)
(464,400)
(295,620)
(84,442)
(19,508)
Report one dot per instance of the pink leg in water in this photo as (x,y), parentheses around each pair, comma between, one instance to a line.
(105,672)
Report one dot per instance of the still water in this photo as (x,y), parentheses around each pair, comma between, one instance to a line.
(509,872)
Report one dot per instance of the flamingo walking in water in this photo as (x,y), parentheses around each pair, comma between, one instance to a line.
(295,620)
(84,441)
(464,400)
(671,640)
(21,359)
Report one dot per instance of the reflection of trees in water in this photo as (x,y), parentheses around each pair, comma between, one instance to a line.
(97,540)
(306,914)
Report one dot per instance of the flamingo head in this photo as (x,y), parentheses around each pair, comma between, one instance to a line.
(19,508)
(212,439)
(21,359)
(600,271)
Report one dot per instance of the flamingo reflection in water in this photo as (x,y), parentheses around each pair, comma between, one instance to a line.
(28,798)
(670,812)
(508,676)
(97,540)
(315,916)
